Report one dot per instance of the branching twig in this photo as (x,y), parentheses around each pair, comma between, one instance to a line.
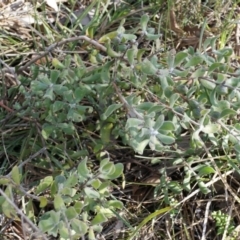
(53,46)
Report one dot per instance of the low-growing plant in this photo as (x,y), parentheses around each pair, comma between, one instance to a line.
(149,102)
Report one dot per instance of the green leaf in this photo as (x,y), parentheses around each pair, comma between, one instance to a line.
(207,84)
(203,187)
(174,97)
(237,147)
(165,139)
(194,61)
(57,106)
(107,169)
(152,37)
(227,112)
(78,207)
(167,126)
(78,226)
(58,202)
(187,181)
(129,37)
(44,184)
(105,132)
(175,187)
(82,169)
(147,67)
(98,219)
(118,171)
(71,213)
(110,110)
(95,183)
(15,174)
(91,193)
(205,170)
(9,211)
(115,204)
(63,231)
(179,58)
(49,94)
(43,201)
(144,21)
(80,93)
(131,54)
(159,122)
(133,122)
(140,54)
(139,146)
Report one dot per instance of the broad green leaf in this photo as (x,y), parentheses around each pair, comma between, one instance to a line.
(95,183)
(223,90)
(58,202)
(152,37)
(131,54)
(179,58)
(91,193)
(63,231)
(144,21)
(118,171)
(167,126)
(57,106)
(139,146)
(107,169)
(15,174)
(140,54)
(237,147)
(159,122)
(165,139)
(4,181)
(83,169)
(78,226)
(194,61)
(71,213)
(91,235)
(147,67)
(49,94)
(80,93)
(200,72)
(205,170)
(175,187)
(46,225)
(207,84)
(115,204)
(227,112)
(174,97)
(78,206)
(129,37)
(9,211)
(43,201)
(133,122)
(154,144)
(57,64)
(67,191)
(44,184)
(110,110)
(105,132)
(107,36)
(98,219)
